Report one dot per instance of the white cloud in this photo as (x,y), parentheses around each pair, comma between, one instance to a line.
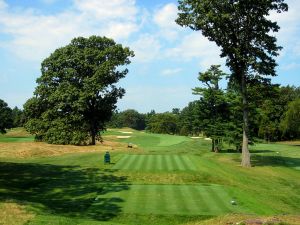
(170,72)
(108,9)
(165,19)
(289,26)
(196,46)
(146,48)
(288,35)
(34,36)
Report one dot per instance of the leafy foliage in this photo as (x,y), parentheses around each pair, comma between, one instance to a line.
(76,94)
(242,30)
(6,119)
(128,118)
(163,123)
(291,122)
(214,108)
(18,117)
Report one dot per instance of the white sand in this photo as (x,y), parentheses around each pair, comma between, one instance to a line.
(207,139)
(123,137)
(195,137)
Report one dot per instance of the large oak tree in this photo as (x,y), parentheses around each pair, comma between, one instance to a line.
(76,92)
(243,31)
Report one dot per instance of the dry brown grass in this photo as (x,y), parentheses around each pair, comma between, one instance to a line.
(17,132)
(40,149)
(249,220)
(13,213)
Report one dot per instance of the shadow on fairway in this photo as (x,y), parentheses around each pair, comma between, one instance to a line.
(230,150)
(62,190)
(263,160)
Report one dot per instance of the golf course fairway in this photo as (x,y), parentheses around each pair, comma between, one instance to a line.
(160,180)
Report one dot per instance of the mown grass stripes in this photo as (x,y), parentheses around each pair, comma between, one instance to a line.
(155,163)
(176,199)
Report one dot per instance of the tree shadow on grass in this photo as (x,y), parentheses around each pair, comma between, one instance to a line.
(274,160)
(230,150)
(63,190)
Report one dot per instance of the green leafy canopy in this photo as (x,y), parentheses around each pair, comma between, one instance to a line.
(76,92)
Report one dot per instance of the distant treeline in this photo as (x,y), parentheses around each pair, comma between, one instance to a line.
(10,118)
(274,116)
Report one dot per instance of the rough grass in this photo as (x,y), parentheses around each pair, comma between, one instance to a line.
(13,213)
(159,182)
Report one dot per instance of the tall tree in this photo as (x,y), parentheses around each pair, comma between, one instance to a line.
(76,92)
(243,32)
(6,120)
(213,103)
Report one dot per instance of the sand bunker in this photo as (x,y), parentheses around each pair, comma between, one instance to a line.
(195,137)
(123,137)
(207,139)
(126,132)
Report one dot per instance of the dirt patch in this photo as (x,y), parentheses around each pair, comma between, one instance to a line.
(13,213)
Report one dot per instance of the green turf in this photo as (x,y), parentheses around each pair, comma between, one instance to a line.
(151,142)
(4,139)
(155,163)
(16,135)
(174,199)
(169,180)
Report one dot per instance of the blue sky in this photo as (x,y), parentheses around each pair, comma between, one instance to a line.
(168,57)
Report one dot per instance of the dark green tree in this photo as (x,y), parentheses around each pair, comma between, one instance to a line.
(214,108)
(18,117)
(163,123)
(6,120)
(130,118)
(190,119)
(76,92)
(243,32)
(291,121)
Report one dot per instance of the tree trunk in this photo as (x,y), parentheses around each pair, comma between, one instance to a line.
(216,150)
(245,150)
(93,136)
(212,144)
(93,139)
